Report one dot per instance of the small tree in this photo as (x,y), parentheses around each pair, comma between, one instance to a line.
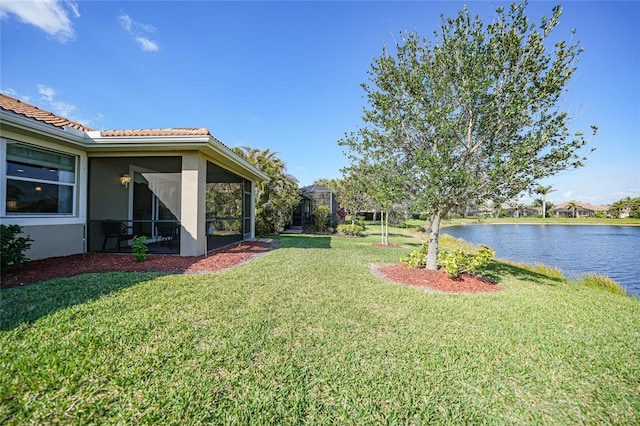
(474,115)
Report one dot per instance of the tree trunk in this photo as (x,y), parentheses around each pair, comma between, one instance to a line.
(432,250)
(386,231)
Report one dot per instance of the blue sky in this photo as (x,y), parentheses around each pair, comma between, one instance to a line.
(286,75)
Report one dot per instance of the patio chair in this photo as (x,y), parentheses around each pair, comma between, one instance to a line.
(115,230)
(167,233)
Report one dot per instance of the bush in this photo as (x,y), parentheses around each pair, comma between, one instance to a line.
(140,248)
(359,220)
(262,228)
(417,258)
(457,261)
(13,247)
(321,218)
(349,229)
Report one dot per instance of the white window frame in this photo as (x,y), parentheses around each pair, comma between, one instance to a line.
(75,185)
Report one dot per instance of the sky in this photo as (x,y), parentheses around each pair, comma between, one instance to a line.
(286,76)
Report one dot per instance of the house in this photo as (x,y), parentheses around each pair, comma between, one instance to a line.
(311,196)
(67,185)
(519,210)
(581,209)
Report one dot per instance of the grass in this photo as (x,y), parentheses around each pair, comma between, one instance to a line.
(602,282)
(306,334)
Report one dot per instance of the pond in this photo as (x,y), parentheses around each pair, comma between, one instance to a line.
(575,249)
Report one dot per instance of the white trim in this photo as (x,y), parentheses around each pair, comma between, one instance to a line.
(79,207)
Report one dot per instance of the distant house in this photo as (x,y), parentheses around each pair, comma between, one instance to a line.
(74,189)
(581,209)
(625,212)
(515,210)
(310,197)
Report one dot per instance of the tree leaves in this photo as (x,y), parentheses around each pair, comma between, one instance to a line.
(473,115)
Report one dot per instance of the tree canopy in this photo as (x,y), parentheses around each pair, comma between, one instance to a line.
(475,114)
(276,198)
(627,206)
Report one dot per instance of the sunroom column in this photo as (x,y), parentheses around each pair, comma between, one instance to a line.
(193,241)
(253,210)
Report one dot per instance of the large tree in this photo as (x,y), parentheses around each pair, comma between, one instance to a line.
(474,115)
(276,198)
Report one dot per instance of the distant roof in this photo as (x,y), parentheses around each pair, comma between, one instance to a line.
(315,188)
(17,106)
(585,206)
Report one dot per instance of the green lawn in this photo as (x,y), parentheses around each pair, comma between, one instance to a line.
(306,334)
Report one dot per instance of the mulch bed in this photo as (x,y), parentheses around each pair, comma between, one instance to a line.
(433,280)
(224,258)
(67,266)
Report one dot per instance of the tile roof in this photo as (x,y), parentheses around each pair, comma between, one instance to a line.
(156,132)
(584,206)
(14,105)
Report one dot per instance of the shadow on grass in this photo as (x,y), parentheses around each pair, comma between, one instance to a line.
(393,235)
(303,241)
(27,304)
(496,270)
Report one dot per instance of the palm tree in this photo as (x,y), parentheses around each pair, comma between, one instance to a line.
(543,190)
(276,198)
(572,205)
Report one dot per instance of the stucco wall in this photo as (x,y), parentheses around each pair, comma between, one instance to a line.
(54,240)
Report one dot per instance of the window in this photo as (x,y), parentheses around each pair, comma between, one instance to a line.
(39,181)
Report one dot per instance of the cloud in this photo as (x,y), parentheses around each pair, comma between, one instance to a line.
(64,109)
(139,32)
(51,16)
(49,101)
(147,45)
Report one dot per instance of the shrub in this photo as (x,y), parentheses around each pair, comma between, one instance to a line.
(602,282)
(140,248)
(262,227)
(358,220)
(458,261)
(417,258)
(321,218)
(13,247)
(349,229)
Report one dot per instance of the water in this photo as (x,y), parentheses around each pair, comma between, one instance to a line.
(613,251)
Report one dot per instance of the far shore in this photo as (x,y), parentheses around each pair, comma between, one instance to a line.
(541,221)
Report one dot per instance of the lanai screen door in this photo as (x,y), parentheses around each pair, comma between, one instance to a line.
(155,199)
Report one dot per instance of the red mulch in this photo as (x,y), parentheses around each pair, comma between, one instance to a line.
(227,257)
(434,280)
(67,266)
(386,245)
